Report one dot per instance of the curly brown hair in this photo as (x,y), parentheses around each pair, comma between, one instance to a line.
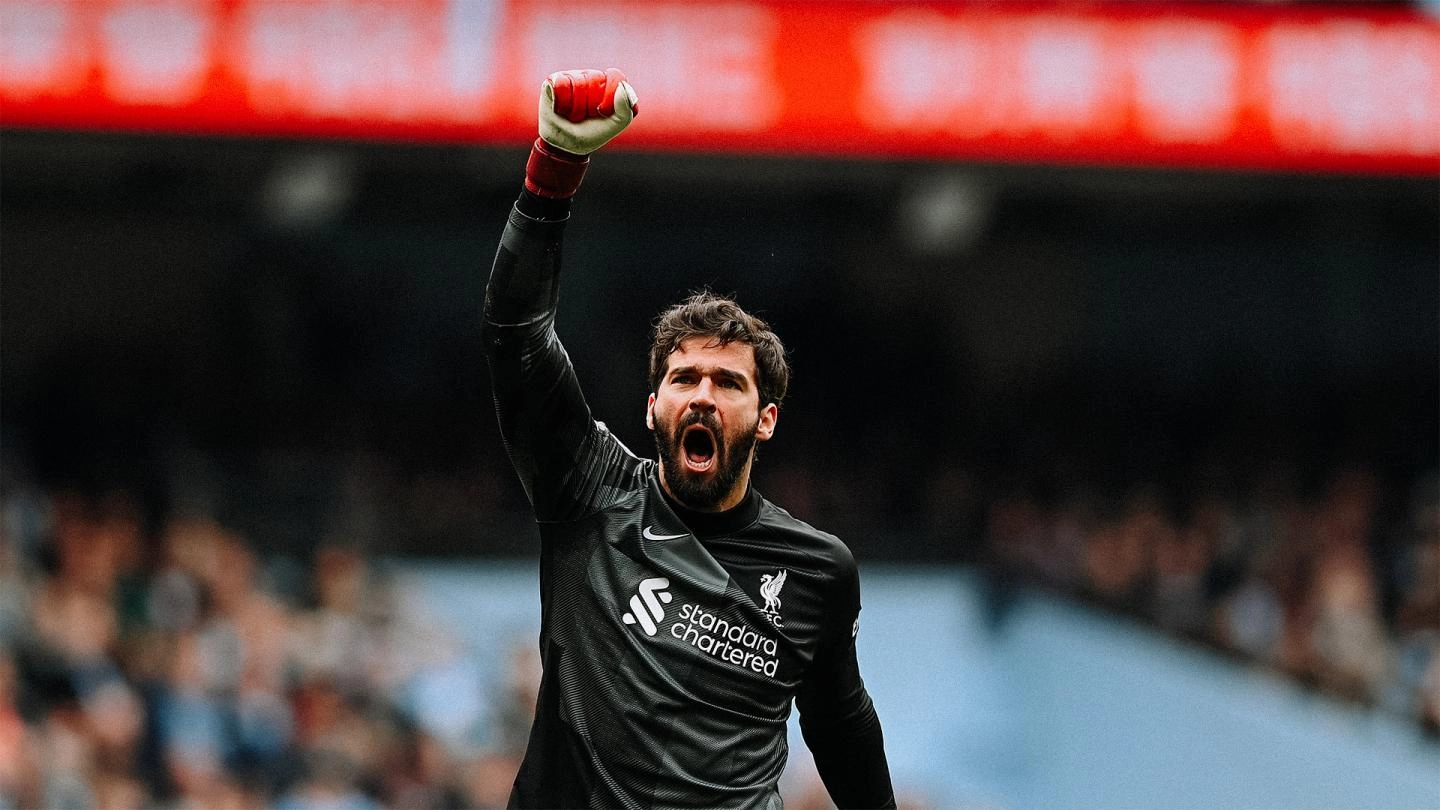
(706,314)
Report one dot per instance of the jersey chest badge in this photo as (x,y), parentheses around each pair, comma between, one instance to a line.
(770,585)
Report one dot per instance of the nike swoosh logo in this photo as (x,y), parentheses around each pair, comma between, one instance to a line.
(650,534)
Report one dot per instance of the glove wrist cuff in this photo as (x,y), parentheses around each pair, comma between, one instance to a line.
(554,173)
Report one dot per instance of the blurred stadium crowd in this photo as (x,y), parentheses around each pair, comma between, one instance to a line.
(1340,591)
(166,662)
(179,669)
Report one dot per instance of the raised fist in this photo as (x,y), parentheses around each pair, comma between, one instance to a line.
(581,110)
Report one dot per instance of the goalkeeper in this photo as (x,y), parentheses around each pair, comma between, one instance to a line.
(681,611)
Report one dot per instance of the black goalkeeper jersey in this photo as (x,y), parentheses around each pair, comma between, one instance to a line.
(672,641)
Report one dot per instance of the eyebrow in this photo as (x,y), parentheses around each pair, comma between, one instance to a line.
(719,371)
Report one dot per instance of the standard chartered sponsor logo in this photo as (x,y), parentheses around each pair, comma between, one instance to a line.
(645,605)
(732,642)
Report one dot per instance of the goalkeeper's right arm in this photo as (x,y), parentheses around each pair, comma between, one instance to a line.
(544,419)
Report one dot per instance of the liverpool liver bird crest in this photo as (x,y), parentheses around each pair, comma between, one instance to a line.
(770,585)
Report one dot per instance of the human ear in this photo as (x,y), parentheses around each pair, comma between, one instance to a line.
(650,412)
(765,428)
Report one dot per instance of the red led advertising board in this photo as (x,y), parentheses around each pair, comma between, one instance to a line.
(1289,88)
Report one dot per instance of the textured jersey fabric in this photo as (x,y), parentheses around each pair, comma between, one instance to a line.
(672,642)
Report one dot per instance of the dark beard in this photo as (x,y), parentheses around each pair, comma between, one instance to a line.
(690,489)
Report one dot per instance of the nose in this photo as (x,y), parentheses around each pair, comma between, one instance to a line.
(703,400)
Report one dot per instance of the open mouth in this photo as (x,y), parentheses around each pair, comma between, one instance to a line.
(697,445)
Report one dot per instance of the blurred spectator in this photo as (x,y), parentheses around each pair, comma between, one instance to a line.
(1415,574)
(17,765)
(487,779)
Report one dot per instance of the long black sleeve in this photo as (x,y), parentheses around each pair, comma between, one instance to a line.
(560,453)
(838,719)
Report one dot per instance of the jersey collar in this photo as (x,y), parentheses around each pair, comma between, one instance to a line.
(717,524)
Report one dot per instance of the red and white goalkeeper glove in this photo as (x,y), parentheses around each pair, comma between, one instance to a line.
(580,111)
